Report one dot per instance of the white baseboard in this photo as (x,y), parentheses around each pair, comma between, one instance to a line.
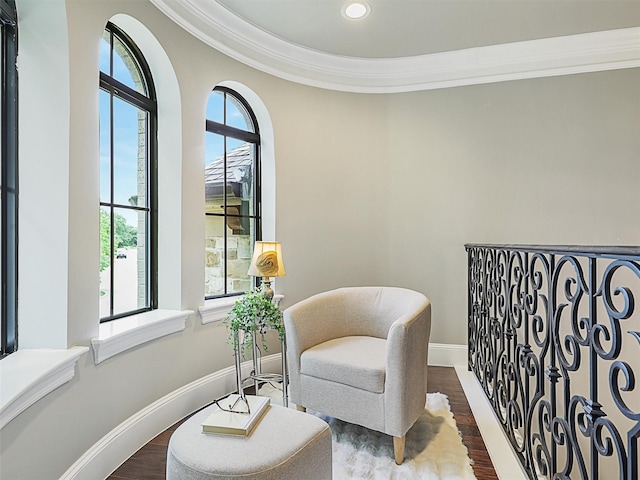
(447,355)
(122,442)
(506,465)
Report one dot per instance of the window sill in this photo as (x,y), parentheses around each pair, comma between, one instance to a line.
(29,375)
(125,333)
(216,310)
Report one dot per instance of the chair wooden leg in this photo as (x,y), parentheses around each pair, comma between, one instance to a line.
(398,448)
(300,408)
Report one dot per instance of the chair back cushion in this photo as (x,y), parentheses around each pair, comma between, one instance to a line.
(370,311)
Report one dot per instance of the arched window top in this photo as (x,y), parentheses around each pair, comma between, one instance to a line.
(120,60)
(227,108)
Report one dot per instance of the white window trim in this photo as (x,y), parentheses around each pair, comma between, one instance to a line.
(217,309)
(30,374)
(125,333)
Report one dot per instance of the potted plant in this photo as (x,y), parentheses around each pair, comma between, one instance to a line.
(253,312)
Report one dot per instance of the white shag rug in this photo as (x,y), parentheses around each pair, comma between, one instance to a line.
(433,451)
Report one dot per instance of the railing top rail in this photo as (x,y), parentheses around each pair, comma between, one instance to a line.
(606,251)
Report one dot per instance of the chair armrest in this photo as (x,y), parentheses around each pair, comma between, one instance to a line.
(313,321)
(308,323)
(406,376)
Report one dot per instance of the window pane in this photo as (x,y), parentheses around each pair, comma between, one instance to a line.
(237,115)
(214,255)
(1,264)
(214,172)
(105,53)
(125,67)
(105,147)
(215,107)
(1,89)
(130,154)
(9,174)
(239,252)
(127,158)
(130,262)
(238,258)
(230,196)
(240,171)
(105,262)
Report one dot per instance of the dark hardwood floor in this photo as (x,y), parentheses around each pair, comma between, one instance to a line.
(149,462)
(445,380)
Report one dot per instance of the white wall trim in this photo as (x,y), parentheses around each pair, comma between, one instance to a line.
(28,375)
(447,355)
(122,442)
(218,27)
(507,467)
(217,309)
(122,334)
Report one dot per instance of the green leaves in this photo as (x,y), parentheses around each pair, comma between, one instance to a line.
(124,235)
(253,312)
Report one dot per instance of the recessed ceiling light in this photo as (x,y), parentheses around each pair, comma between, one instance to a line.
(356,10)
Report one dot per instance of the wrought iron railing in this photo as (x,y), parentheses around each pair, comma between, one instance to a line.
(554,340)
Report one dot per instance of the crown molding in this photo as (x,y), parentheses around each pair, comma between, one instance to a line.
(218,27)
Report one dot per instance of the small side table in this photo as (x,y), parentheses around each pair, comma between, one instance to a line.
(256,374)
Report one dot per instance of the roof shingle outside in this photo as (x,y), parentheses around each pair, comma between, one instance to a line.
(236,160)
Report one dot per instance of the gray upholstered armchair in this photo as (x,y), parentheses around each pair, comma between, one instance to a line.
(360,354)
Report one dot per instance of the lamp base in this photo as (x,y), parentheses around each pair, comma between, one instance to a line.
(266,287)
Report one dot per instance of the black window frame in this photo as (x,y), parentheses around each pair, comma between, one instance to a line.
(228,131)
(147,103)
(9,173)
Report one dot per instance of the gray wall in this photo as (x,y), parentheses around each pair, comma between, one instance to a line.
(553,160)
(371,189)
(390,189)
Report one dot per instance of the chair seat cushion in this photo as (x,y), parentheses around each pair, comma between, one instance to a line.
(357,360)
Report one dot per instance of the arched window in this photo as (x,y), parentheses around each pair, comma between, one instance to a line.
(128,179)
(232,193)
(9,177)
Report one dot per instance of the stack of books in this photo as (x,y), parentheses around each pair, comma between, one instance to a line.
(232,423)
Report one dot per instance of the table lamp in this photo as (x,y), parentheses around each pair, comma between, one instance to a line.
(266,263)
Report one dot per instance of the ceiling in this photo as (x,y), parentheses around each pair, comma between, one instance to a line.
(408,45)
(400,28)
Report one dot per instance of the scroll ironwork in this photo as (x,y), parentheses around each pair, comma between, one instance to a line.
(554,340)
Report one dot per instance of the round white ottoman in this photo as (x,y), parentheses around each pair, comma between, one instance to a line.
(285,445)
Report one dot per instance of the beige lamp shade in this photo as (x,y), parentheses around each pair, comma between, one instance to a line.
(267,260)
